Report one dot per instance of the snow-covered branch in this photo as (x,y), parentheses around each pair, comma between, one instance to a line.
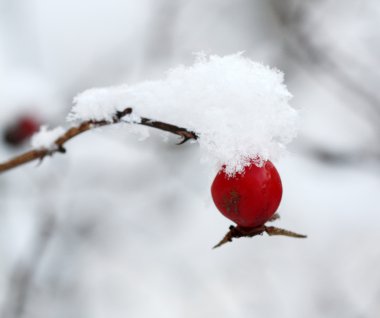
(59,144)
(238,107)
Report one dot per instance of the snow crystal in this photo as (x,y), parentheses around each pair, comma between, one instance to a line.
(45,138)
(239,108)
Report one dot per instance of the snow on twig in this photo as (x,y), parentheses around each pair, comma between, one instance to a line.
(239,109)
(59,143)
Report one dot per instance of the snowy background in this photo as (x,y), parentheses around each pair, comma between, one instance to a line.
(120,227)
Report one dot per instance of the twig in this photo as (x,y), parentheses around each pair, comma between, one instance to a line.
(238,231)
(72,132)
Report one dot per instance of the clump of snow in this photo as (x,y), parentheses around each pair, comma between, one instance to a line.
(100,103)
(239,108)
(132,119)
(45,138)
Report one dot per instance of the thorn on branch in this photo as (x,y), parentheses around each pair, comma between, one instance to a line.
(40,160)
(184,139)
(61,149)
(120,114)
(186,136)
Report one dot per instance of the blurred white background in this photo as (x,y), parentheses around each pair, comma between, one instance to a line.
(119,227)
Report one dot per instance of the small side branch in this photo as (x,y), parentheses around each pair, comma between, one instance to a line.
(40,154)
(180,131)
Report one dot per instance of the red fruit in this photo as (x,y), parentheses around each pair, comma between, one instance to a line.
(21,130)
(249,198)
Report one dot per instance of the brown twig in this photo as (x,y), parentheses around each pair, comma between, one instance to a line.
(72,132)
(238,231)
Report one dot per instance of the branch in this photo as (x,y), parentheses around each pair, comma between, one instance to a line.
(72,132)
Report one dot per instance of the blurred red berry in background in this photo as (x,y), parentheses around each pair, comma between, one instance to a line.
(21,130)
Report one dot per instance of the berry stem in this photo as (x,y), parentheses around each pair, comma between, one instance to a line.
(238,231)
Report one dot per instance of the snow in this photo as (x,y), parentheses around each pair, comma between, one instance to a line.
(45,138)
(131,119)
(248,113)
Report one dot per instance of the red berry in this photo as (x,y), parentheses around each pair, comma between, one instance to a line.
(21,130)
(249,198)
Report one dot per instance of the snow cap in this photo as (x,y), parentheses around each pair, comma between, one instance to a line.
(239,108)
